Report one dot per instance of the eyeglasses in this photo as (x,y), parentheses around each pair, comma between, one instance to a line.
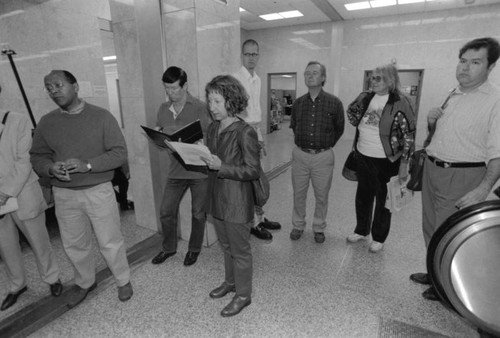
(253,55)
(52,87)
(377,78)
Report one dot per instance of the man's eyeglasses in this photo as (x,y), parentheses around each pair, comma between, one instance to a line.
(253,55)
(376,78)
(52,87)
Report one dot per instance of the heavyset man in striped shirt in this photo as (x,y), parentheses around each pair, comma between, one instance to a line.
(464,154)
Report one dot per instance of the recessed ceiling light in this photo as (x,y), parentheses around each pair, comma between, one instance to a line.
(382,3)
(281,15)
(404,2)
(290,14)
(272,16)
(109,58)
(357,6)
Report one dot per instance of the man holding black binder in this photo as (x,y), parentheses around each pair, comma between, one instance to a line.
(180,110)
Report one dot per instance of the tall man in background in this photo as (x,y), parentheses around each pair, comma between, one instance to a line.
(251,81)
(180,110)
(78,146)
(463,161)
(317,121)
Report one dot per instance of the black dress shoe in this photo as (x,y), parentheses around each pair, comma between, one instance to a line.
(261,233)
(270,224)
(237,304)
(11,299)
(191,258)
(56,288)
(79,294)
(162,256)
(420,278)
(222,290)
(430,294)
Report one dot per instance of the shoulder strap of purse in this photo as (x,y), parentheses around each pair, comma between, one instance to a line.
(5,117)
(3,122)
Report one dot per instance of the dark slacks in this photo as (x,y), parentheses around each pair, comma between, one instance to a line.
(373,175)
(235,241)
(169,210)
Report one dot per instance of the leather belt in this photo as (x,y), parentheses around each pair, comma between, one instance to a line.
(443,164)
(313,151)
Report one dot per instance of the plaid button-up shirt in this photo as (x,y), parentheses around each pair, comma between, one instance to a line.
(317,124)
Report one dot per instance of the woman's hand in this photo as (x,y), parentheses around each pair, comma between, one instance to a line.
(213,162)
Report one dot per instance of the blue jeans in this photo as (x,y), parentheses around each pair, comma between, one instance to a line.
(169,210)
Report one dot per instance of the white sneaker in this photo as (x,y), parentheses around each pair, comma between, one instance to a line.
(356,238)
(376,246)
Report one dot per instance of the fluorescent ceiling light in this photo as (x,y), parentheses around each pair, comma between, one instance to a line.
(242,10)
(272,16)
(357,6)
(404,2)
(290,14)
(286,75)
(281,15)
(109,58)
(382,3)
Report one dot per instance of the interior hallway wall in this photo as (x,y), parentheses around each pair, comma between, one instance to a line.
(428,41)
(50,35)
(289,49)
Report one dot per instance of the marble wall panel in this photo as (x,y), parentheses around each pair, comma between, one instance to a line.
(181,44)
(218,38)
(169,6)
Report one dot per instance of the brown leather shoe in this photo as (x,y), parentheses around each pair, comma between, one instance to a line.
(79,294)
(222,290)
(235,306)
(125,292)
(420,278)
(296,234)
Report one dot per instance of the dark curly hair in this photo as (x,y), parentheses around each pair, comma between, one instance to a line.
(231,90)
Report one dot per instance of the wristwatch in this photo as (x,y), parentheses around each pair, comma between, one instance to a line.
(89,167)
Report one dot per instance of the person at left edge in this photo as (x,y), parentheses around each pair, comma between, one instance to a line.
(181,109)
(17,179)
(78,146)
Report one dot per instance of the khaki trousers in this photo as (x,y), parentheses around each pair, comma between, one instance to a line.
(36,233)
(80,211)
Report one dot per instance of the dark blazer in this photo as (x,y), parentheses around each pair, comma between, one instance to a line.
(231,193)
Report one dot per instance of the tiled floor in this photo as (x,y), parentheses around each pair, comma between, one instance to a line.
(301,289)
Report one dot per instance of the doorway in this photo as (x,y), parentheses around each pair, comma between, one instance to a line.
(282,88)
(411,84)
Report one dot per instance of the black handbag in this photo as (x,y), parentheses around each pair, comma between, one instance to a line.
(351,166)
(417,162)
(261,190)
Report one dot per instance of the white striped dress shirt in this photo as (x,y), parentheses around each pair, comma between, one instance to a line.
(469,130)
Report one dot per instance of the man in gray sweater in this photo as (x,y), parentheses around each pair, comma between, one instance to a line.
(78,146)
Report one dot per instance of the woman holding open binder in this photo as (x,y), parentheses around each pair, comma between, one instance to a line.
(235,161)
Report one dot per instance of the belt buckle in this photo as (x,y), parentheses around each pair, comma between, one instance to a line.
(446,165)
